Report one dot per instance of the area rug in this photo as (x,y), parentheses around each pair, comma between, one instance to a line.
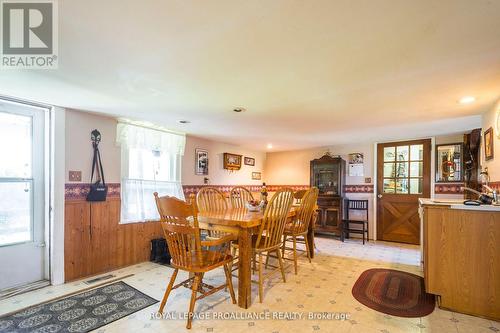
(393,292)
(78,313)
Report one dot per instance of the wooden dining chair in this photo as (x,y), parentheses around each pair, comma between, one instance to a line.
(300,225)
(269,238)
(299,195)
(239,196)
(191,254)
(210,199)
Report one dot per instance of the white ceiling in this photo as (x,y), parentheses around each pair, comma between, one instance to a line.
(310,73)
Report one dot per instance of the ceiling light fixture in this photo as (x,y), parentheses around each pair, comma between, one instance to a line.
(184,122)
(269,146)
(467,100)
(238,110)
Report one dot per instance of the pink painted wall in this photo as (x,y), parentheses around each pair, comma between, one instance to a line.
(292,168)
(489,120)
(216,173)
(79,124)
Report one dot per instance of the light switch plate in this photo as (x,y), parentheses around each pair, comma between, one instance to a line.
(75,176)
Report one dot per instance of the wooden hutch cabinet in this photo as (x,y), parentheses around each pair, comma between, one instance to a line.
(328,175)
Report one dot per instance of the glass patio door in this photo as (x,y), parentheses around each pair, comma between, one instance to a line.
(23,250)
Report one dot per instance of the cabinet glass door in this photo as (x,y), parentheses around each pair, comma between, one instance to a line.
(326,179)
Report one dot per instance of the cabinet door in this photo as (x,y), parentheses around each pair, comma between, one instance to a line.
(77,249)
(332,220)
(104,223)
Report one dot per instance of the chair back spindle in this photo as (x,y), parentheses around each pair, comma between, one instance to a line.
(182,235)
(299,195)
(305,211)
(240,196)
(210,199)
(274,220)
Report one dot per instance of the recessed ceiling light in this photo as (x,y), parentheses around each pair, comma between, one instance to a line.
(269,146)
(184,122)
(467,100)
(238,110)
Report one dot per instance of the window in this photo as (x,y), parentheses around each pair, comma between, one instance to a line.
(151,162)
(15,178)
(403,169)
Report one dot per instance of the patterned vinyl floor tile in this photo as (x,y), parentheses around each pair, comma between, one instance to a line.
(321,286)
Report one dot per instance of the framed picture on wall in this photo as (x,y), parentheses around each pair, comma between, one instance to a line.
(201,162)
(249,161)
(488,144)
(232,161)
(256,175)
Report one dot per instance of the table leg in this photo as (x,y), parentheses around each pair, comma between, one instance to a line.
(310,234)
(310,241)
(244,274)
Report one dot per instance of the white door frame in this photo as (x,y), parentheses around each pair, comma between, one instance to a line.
(44,160)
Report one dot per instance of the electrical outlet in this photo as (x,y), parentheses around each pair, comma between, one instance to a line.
(75,176)
(368,180)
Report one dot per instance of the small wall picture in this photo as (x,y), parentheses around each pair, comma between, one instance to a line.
(201,162)
(232,161)
(256,175)
(249,161)
(488,144)
(356,158)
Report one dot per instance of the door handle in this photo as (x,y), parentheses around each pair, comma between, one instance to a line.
(379,196)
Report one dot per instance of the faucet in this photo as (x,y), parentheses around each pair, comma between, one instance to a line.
(484,198)
(493,193)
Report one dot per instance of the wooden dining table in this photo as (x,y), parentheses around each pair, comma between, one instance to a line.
(244,224)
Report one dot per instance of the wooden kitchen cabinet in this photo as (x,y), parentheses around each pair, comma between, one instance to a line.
(461,258)
(328,175)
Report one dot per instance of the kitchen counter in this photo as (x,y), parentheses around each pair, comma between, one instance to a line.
(457,204)
(461,255)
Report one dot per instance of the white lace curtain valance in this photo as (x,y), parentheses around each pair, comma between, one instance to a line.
(132,136)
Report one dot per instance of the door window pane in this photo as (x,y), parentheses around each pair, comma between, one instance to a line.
(402,185)
(416,169)
(15,146)
(388,186)
(15,212)
(402,170)
(389,154)
(389,170)
(416,152)
(402,153)
(416,186)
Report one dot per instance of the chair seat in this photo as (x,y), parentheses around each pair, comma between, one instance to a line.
(254,242)
(209,260)
(355,222)
(355,231)
(290,231)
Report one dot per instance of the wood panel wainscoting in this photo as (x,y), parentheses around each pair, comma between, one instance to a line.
(95,242)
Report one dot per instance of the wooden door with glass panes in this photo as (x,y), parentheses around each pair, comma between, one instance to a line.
(403,176)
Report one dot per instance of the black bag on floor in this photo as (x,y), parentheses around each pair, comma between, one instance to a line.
(159,251)
(98,190)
